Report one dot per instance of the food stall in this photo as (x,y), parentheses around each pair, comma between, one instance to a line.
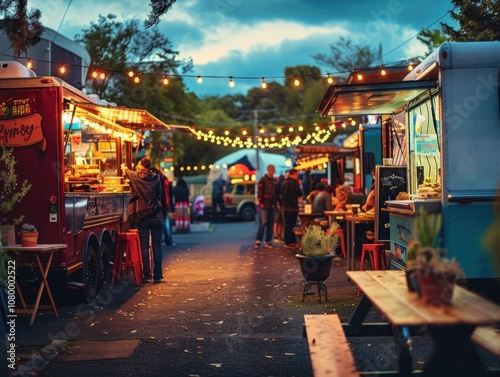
(70,147)
(446,129)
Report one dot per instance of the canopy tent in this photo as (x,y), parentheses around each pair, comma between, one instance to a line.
(245,160)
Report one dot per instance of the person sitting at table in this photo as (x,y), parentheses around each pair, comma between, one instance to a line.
(323,200)
(342,192)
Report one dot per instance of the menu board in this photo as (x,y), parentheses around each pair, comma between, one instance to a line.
(389,182)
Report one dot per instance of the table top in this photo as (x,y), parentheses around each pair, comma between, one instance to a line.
(359,217)
(334,213)
(312,214)
(42,247)
(387,290)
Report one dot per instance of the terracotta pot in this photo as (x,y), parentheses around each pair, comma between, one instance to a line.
(436,289)
(29,239)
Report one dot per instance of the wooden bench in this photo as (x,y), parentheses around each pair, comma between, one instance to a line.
(488,337)
(328,347)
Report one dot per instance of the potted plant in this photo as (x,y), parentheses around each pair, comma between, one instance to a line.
(29,235)
(11,192)
(436,275)
(315,256)
(426,232)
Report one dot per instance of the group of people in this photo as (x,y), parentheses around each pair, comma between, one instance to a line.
(152,199)
(283,197)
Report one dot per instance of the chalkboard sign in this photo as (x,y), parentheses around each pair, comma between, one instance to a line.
(390,181)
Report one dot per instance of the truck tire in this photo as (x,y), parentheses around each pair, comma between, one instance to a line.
(104,267)
(247,213)
(90,274)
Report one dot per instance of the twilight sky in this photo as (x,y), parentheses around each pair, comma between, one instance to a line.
(256,38)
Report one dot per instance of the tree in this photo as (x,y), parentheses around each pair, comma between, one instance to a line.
(22,26)
(478,20)
(158,9)
(345,56)
(432,39)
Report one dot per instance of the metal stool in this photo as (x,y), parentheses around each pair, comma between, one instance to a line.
(128,256)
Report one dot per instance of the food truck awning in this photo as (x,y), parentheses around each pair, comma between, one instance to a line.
(377,98)
(309,156)
(136,119)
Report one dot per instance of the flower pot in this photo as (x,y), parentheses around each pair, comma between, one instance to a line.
(436,289)
(29,239)
(7,235)
(315,268)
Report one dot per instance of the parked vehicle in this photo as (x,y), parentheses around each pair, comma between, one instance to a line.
(239,200)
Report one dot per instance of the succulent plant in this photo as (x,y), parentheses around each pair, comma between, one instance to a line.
(315,241)
(28,228)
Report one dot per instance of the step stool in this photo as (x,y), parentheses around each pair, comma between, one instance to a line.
(128,256)
(377,256)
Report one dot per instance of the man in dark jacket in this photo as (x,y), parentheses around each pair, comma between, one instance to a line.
(266,195)
(291,193)
(145,214)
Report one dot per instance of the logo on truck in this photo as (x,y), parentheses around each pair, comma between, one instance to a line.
(18,127)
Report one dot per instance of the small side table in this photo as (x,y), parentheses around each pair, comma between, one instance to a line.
(41,249)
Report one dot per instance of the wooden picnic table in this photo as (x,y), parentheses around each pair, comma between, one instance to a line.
(449,326)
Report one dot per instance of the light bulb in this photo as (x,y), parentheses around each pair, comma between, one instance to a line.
(62,69)
(360,76)
(329,79)
(165,80)
(137,79)
(29,64)
(130,73)
(410,67)
(199,79)
(383,72)
(296,82)
(94,74)
(231,82)
(102,76)
(264,84)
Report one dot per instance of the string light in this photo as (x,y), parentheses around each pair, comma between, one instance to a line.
(29,64)
(359,76)
(131,73)
(94,74)
(329,79)
(383,72)
(165,80)
(199,79)
(137,80)
(263,85)
(62,69)
(410,67)
(296,81)
(102,75)
(231,82)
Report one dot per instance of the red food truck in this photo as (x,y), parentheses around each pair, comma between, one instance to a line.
(69,146)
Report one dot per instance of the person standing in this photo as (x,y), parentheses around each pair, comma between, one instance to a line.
(218,190)
(266,196)
(166,203)
(145,215)
(291,193)
(181,199)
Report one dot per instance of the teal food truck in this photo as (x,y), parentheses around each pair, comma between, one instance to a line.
(445,121)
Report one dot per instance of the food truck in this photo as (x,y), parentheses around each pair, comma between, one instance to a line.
(445,122)
(69,146)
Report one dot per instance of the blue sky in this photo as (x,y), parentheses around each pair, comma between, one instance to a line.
(260,38)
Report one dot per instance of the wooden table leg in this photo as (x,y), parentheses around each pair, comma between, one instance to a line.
(43,285)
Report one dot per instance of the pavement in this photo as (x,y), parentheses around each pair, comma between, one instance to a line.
(224,309)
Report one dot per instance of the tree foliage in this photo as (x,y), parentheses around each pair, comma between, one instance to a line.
(479,20)
(346,56)
(432,39)
(158,9)
(22,26)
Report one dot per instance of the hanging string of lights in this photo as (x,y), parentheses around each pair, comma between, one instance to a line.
(165,78)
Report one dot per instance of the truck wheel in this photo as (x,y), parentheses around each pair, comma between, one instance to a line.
(104,267)
(90,274)
(247,213)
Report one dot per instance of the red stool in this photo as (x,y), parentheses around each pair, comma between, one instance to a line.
(128,255)
(377,256)
(340,233)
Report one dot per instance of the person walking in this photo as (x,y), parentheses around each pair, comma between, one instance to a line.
(291,193)
(145,215)
(181,199)
(266,196)
(218,190)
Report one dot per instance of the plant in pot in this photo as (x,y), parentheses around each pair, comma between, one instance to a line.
(11,192)
(29,235)
(436,275)
(426,232)
(315,257)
